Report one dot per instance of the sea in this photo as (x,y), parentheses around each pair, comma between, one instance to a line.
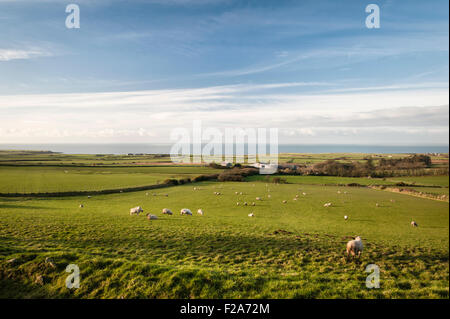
(142,148)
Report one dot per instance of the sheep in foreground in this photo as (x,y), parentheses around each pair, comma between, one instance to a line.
(251,215)
(414,224)
(167,211)
(186,211)
(151,217)
(136,210)
(355,247)
(200,211)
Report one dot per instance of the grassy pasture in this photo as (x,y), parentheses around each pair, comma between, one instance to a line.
(61,179)
(292,250)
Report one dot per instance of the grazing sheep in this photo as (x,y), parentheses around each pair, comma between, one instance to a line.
(414,224)
(304,194)
(195,188)
(81,205)
(392,200)
(236,193)
(355,247)
(285,201)
(136,210)
(253,204)
(167,211)
(258,198)
(240,193)
(151,217)
(345,217)
(167,195)
(146,194)
(296,196)
(251,215)
(345,192)
(186,211)
(89,196)
(378,205)
(245,203)
(268,196)
(200,212)
(338,192)
(327,205)
(237,204)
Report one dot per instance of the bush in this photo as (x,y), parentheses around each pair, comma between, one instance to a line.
(201,178)
(170,181)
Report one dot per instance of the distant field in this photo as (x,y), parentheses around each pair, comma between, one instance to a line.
(424,180)
(441,181)
(324,180)
(225,253)
(62,179)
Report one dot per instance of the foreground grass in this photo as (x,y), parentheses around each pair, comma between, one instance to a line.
(292,250)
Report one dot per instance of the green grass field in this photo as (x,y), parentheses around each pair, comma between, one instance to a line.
(292,250)
(62,179)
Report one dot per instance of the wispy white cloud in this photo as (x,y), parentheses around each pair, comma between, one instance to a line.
(18,54)
(417,114)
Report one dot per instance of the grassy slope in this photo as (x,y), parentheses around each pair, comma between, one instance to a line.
(225,253)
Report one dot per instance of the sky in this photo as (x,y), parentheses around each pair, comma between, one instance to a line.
(136,70)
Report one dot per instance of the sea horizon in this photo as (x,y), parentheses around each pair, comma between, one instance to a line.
(164,148)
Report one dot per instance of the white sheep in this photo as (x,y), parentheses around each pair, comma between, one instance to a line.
(237,204)
(378,205)
(304,194)
(355,247)
(414,224)
(258,198)
(251,215)
(167,211)
(136,210)
(151,217)
(345,217)
(185,211)
(81,205)
(200,212)
(285,201)
(253,204)
(327,205)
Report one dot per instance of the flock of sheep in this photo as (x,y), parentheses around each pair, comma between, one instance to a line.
(184,211)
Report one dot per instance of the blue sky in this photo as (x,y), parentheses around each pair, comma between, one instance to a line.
(311,68)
